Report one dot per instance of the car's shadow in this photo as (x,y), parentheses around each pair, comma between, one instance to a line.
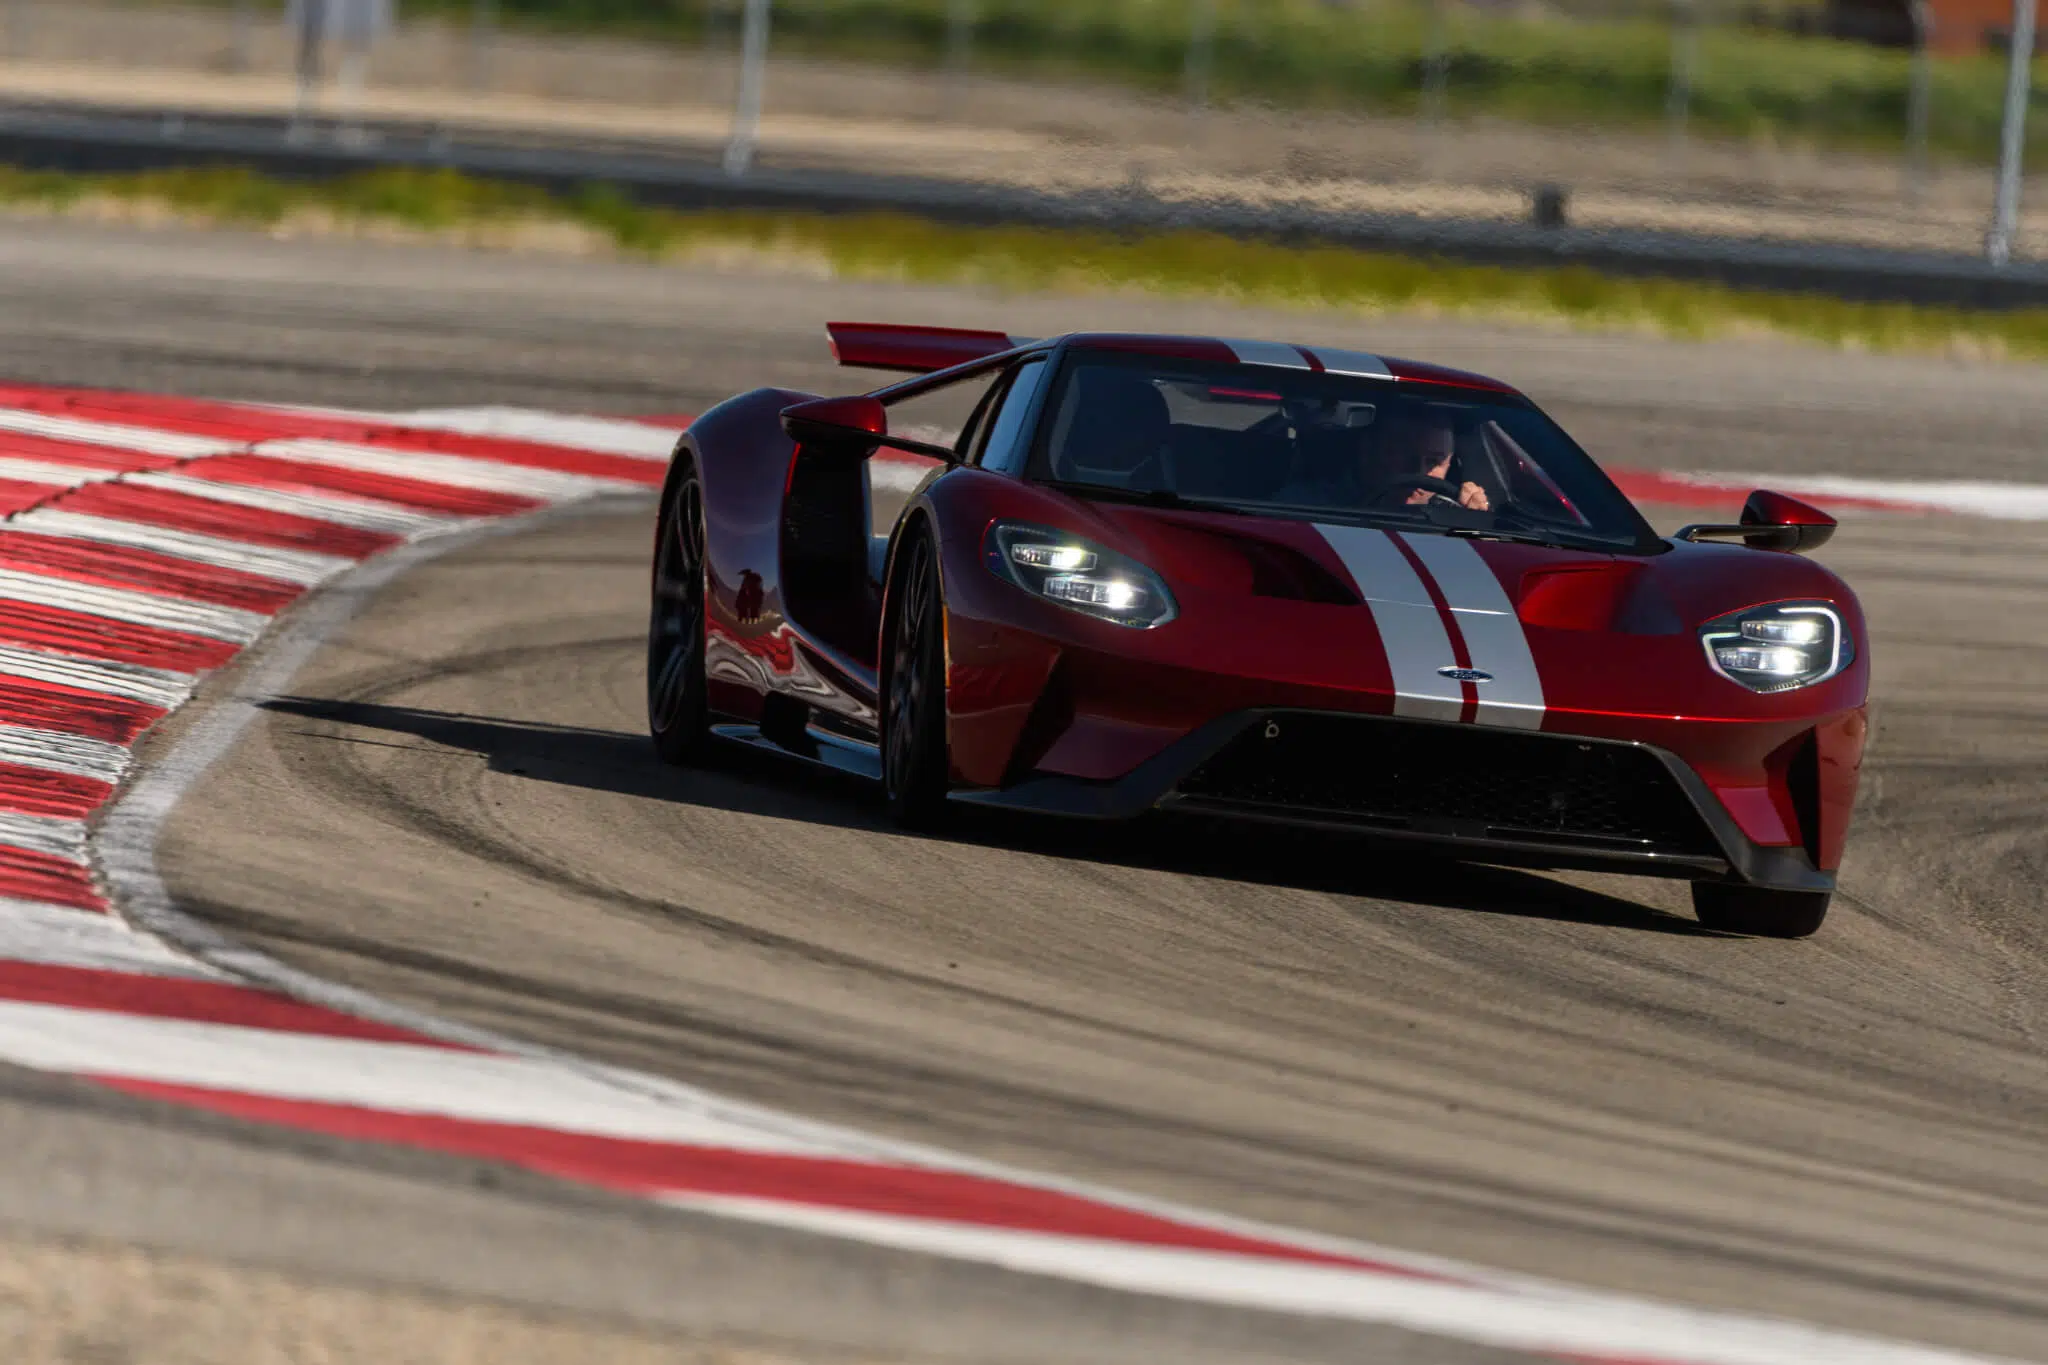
(753,782)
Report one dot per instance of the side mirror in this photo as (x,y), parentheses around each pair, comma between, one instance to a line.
(1795,525)
(1771,521)
(859,420)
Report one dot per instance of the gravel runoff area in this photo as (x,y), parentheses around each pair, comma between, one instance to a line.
(91,1303)
(984,128)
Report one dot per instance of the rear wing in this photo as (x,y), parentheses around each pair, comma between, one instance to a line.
(920,350)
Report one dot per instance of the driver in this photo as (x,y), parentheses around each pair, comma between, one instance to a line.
(1421,446)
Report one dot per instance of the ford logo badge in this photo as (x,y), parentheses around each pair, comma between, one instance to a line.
(1472,675)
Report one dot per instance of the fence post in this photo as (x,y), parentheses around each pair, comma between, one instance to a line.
(1685,56)
(959,51)
(1436,60)
(746,114)
(17,29)
(959,34)
(2005,212)
(1918,93)
(310,23)
(244,54)
(483,36)
(1201,53)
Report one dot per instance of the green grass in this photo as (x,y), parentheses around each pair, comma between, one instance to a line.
(443,204)
(1312,54)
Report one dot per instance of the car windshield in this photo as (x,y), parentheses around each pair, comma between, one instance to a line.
(1325,447)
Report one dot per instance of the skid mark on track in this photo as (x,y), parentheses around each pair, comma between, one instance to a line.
(376,700)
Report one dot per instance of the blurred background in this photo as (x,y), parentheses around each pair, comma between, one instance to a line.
(1872,123)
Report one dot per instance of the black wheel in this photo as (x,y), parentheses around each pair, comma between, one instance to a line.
(1758,910)
(675,626)
(914,762)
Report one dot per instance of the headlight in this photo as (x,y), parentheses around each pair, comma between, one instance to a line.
(1779,647)
(1078,574)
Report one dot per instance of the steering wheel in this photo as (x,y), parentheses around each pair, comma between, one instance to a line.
(1442,488)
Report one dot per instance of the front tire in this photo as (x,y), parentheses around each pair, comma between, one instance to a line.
(676,710)
(1758,910)
(915,764)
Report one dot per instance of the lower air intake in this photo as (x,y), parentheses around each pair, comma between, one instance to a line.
(1461,781)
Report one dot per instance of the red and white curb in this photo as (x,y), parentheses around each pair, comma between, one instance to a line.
(1968,498)
(148,540)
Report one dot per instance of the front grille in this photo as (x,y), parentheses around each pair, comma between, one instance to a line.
(1463,781)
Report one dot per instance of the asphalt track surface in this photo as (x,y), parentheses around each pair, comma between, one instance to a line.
(1549,1074)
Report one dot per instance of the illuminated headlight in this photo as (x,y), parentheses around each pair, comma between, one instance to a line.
(1780,647)
(1078,574)
(1059,558)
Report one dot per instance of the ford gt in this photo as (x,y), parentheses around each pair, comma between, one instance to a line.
(1105,575)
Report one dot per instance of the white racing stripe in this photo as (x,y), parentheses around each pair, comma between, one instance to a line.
(1494,638)
(1271,353)
(157,686)
(342,510)
(1504,1313)
(399,1078)
(305,567)
(57,475)
(606,435)
(460,471)
(175,444)
(1411,629)
(142,608)
(1351,362)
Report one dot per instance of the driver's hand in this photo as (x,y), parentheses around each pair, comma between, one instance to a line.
(1473,496)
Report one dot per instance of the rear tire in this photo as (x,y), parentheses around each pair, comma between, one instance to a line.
(1758,910)
(676,711)
(915,764)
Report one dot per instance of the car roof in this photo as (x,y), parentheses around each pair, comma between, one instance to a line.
(1285,355)
(928,350)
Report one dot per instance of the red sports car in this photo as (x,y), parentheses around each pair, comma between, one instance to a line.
(1099,575)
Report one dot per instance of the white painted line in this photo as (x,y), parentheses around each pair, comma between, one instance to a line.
(53,835)
(547,485)
(1507,1315)
(142,608)
(148,440)
(61,475)
(63,753)
(157,686)
(399,1078)
(63,936)
(607,435)
(292,566)
(361,513)
(1999,501)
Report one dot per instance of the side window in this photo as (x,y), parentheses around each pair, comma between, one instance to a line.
(939,416)
(1006,440)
